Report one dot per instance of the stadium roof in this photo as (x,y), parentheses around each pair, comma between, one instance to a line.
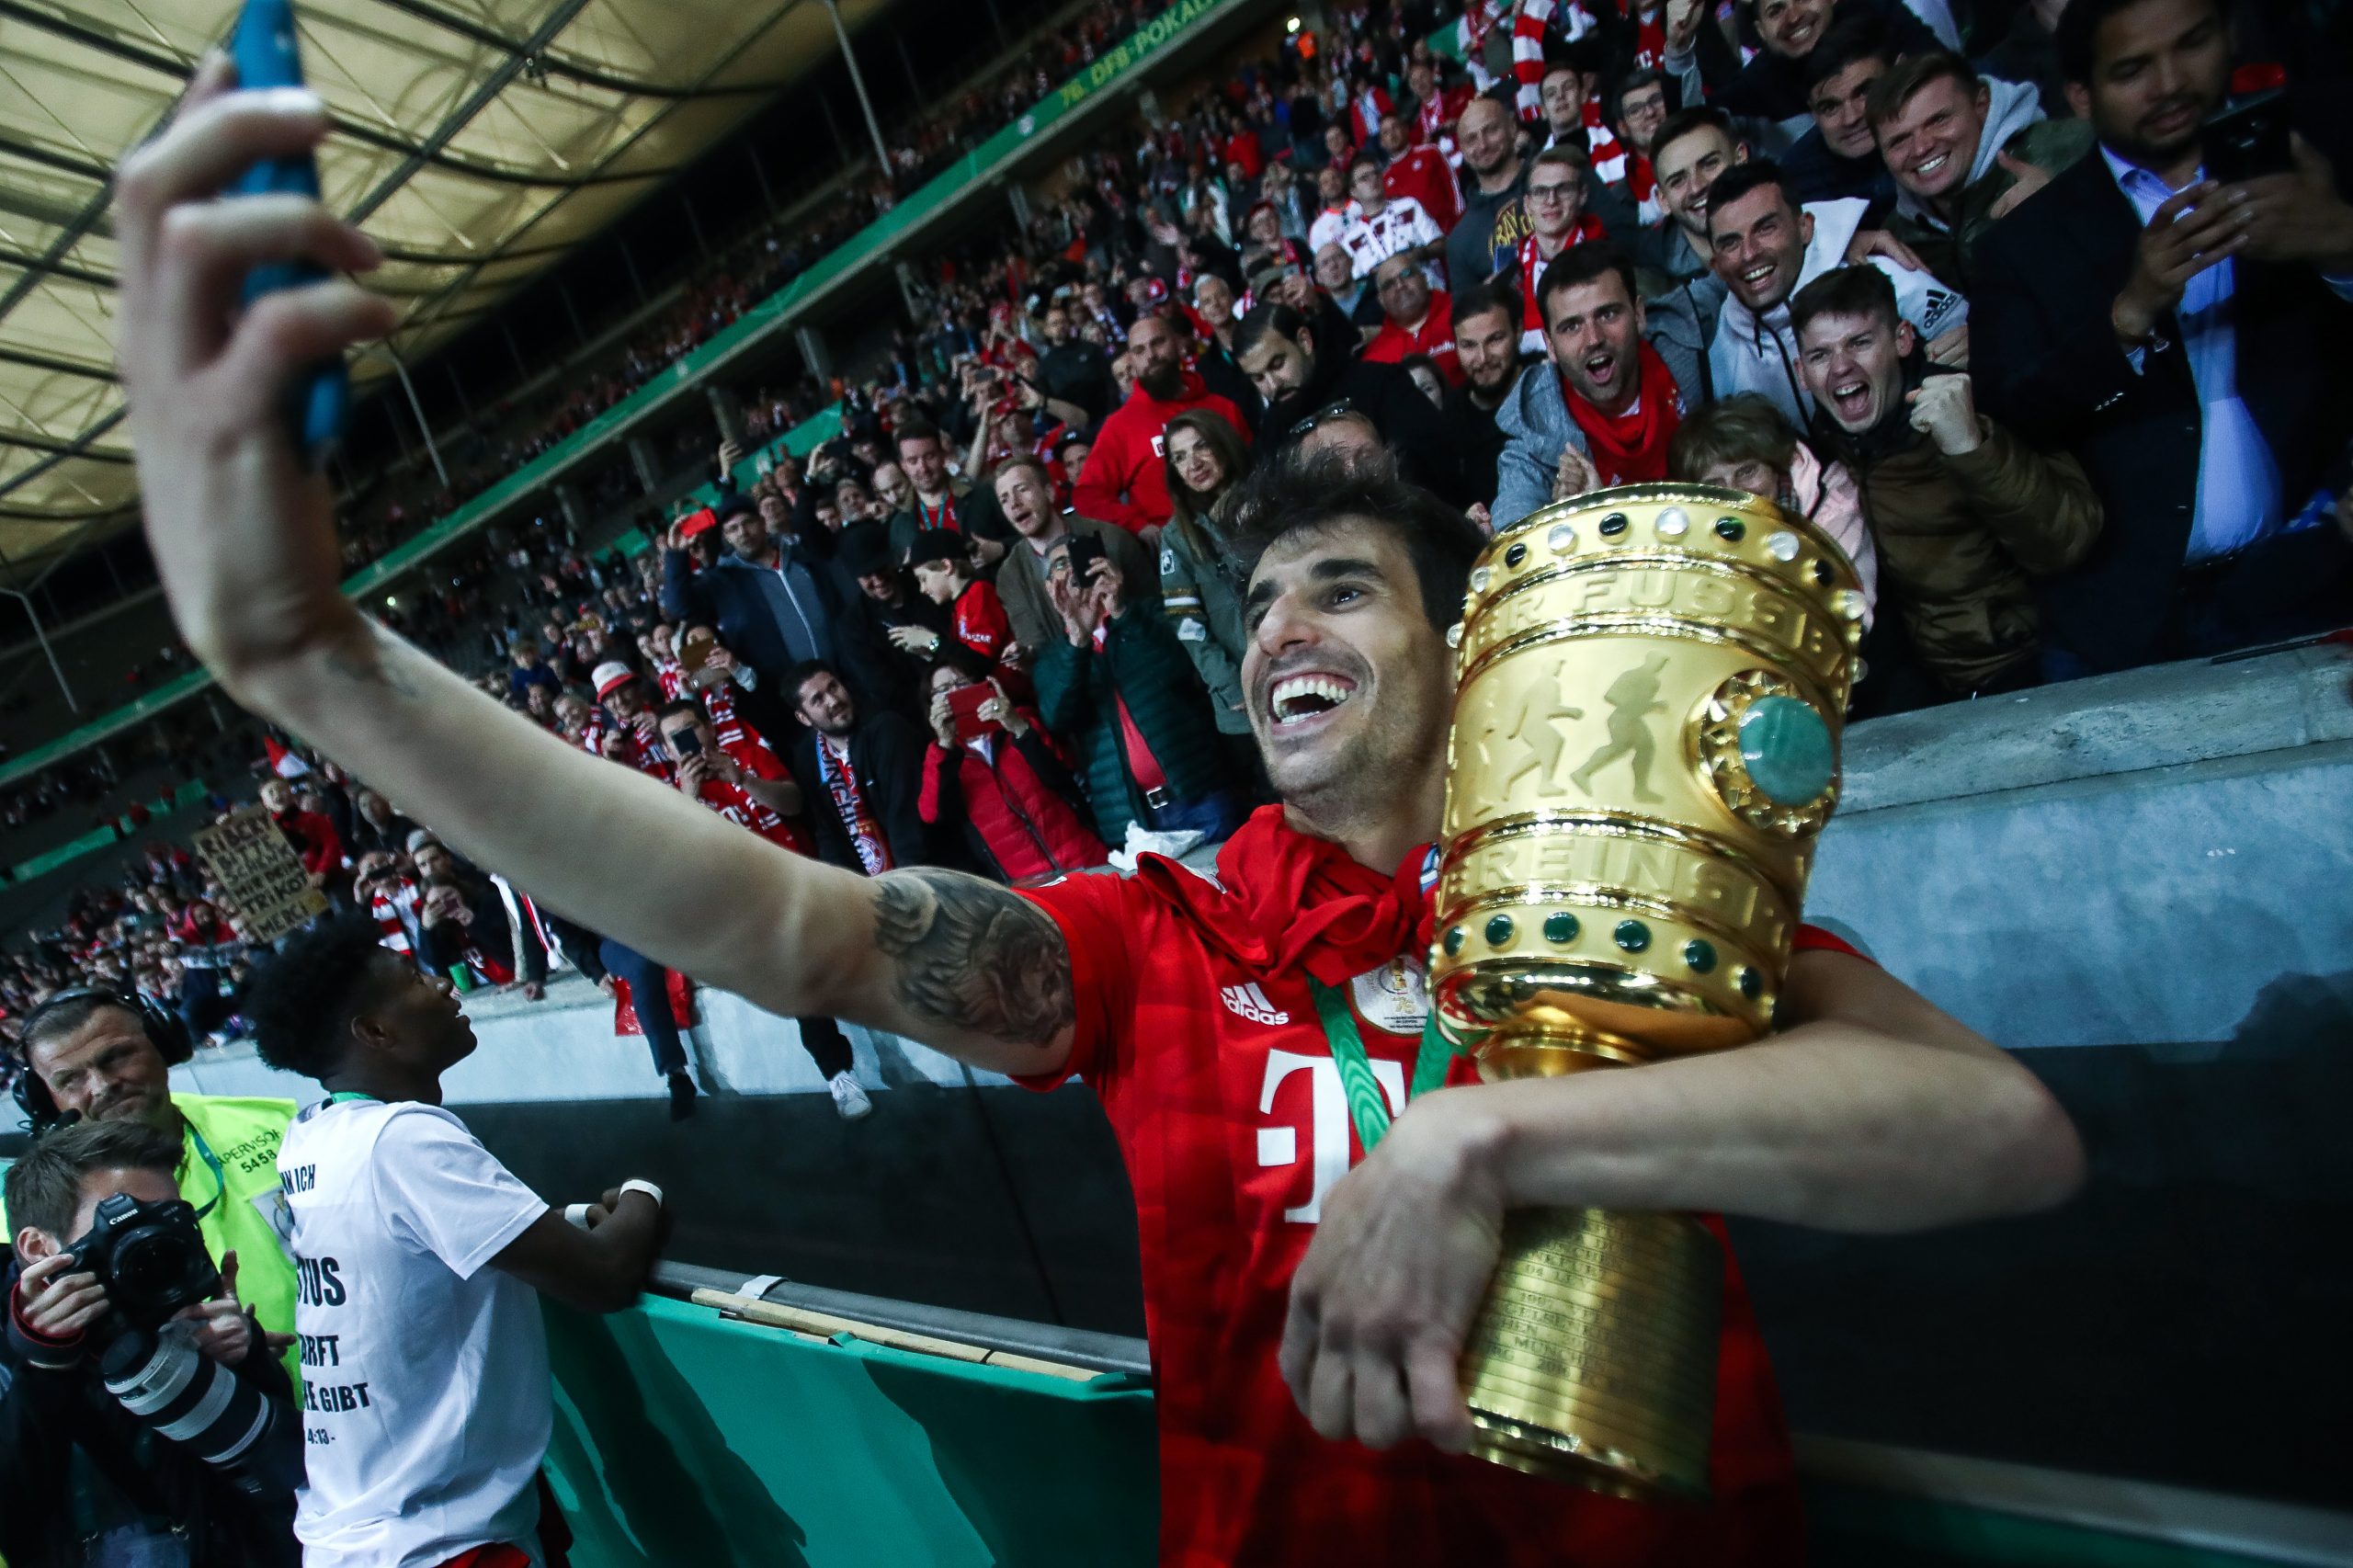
(478,140)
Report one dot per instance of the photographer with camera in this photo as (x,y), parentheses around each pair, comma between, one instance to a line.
(92,1054)
(428,1403)
(144,1418)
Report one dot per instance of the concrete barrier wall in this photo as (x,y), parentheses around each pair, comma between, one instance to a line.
(565,1048)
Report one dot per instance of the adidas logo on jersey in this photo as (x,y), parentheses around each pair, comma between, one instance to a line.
(1249,1002)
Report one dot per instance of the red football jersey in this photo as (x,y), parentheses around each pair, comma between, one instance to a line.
(1231,1119)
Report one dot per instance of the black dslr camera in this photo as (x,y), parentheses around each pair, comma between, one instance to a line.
(150,1256)
(151,1259)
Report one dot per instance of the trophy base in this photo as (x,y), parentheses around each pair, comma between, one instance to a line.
(1592,1359)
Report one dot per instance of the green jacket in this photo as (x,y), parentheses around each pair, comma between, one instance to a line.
(1078,694)
(1203,598)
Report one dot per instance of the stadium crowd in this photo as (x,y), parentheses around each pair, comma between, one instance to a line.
(2041,311)
(1793,250)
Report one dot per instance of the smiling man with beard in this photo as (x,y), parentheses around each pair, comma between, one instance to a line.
(1604,389)
(1486,346)
(1126,478)
(1300,1293)
(428,1404)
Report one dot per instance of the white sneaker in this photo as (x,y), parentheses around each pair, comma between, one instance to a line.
(850,1101)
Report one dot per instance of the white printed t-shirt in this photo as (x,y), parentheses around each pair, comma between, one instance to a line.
(427,1404)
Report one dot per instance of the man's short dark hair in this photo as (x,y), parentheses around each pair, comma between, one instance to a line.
(1363,160)
(1684,121)
(1308,492)
(1479,299)
(1861,290)
(1581,264)
(915,428)
(1740,179)
(1632,82)
(1908,76)
(303,999)
(2077,38)
(687,705)
(44,1187)
(804,672)
(1264,319)
(1565,156)
(1852,38)
(941,544)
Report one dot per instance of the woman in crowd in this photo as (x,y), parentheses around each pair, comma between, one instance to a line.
(1003,780)
(1198,586)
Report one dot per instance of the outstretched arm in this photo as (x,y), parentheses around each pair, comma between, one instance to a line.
(243,539)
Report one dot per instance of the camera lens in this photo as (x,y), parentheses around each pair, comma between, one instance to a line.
(161,1378)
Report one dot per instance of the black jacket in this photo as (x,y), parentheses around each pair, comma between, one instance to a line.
(1080,373)
(770,623)
(2049,364)
(69,1452)
(1386,394)
(886,758)
(1477,441)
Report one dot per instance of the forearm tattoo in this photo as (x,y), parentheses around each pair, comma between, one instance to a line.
(371,665)
(974,955)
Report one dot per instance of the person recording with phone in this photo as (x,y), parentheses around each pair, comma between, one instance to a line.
(2176,310)
(993,771)
(143,1416)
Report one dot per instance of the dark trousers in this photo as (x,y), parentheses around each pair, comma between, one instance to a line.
(826,1045)
(648,989)
(203,1005)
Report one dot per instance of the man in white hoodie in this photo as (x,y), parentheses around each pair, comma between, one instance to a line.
(1964,149)
(1765,246)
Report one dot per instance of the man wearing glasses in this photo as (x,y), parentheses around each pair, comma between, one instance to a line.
(1415,319)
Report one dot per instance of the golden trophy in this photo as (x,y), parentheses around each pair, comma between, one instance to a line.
(1645,744)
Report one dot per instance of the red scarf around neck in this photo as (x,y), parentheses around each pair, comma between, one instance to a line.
(1631,447)
(1286,901)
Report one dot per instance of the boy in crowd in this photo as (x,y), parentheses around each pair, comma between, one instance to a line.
(1964,514)
(421,1257)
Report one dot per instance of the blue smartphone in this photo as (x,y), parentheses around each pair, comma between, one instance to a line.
(267,55)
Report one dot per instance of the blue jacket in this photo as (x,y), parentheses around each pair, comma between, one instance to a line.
(771,617)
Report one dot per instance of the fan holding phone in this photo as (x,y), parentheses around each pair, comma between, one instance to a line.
(994,771)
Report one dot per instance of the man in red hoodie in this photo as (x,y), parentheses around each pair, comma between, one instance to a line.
(1126,479)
